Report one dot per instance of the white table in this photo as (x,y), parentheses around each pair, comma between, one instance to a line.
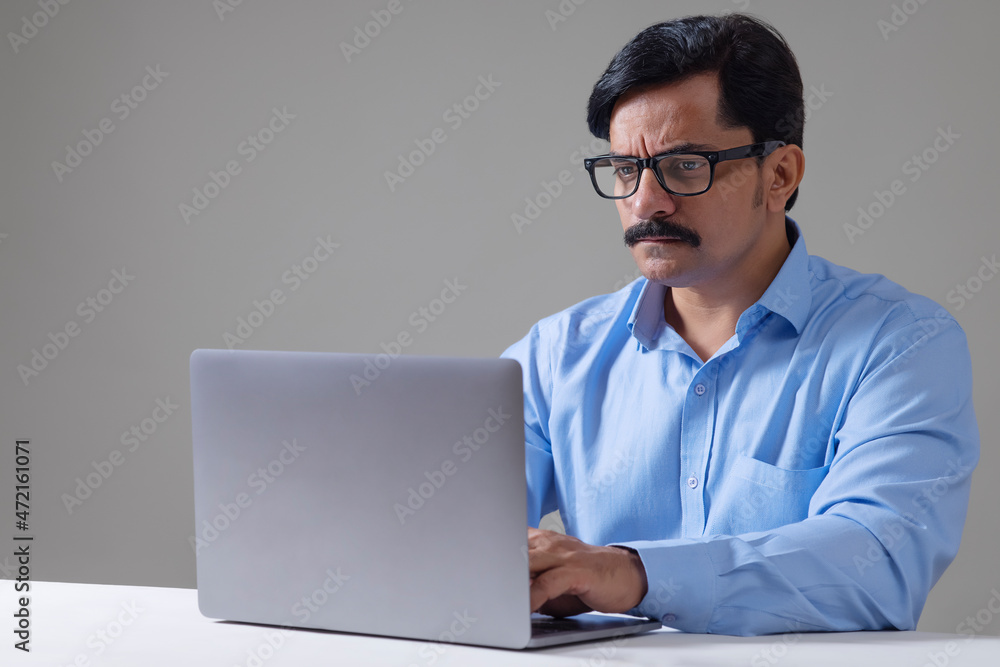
(135,626)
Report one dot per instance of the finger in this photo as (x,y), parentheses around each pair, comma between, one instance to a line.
(536,535)
(541,539)
(546,554)
(550,585)
(540,561)
(549,550)
(564,605)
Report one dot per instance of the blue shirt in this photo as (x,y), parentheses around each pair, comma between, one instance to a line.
(813,474)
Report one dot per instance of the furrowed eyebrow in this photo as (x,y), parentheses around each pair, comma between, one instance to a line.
(680,148)
(683,148)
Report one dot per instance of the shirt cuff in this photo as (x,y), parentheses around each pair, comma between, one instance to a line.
(681,579)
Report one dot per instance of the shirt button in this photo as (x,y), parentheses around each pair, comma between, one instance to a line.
(699,389)
(693,481)
(670,618)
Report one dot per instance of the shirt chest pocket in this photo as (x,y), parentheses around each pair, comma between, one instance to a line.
(757,496)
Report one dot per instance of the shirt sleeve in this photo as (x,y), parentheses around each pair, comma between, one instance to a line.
(882,526)
(539,466)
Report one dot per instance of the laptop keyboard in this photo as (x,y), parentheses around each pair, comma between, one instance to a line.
(550,626)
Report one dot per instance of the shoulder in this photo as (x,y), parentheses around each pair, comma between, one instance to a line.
(874,310)
(845,289)
(576,329)
(589,317)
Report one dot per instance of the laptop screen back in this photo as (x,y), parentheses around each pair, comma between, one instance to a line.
(361,493)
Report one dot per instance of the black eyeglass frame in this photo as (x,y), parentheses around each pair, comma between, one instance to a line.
(762,149)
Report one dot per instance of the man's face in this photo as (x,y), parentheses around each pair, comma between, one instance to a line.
(711,238)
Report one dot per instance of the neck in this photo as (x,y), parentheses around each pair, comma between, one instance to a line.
(705,315)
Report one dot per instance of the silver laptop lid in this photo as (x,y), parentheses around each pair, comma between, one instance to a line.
(362,493)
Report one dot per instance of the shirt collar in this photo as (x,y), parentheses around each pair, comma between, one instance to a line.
(789,295)
(647,317)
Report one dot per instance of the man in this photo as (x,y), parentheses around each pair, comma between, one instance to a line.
(747,439)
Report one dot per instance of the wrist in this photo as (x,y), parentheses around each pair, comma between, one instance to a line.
(637,572)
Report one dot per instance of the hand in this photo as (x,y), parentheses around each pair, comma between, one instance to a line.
(571,577)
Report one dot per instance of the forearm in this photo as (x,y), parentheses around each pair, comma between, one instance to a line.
(828,573)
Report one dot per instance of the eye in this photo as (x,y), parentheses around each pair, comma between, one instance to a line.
(684,166)
(624,170)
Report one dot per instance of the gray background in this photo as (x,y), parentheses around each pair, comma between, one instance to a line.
(324,174)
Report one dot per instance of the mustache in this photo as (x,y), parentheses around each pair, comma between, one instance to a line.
(653,228)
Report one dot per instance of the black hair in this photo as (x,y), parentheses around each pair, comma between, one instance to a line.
(759,80)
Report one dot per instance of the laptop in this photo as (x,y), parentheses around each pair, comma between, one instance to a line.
(368,494)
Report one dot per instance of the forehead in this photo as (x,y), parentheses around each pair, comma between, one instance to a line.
(654,119)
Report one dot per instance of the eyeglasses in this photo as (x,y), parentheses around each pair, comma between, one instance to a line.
(683,174)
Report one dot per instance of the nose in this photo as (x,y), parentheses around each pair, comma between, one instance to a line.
(651,200)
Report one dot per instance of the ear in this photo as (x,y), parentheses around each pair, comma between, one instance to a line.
(785,166)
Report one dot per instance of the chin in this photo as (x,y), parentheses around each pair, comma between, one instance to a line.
(659,271)
(662,277)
